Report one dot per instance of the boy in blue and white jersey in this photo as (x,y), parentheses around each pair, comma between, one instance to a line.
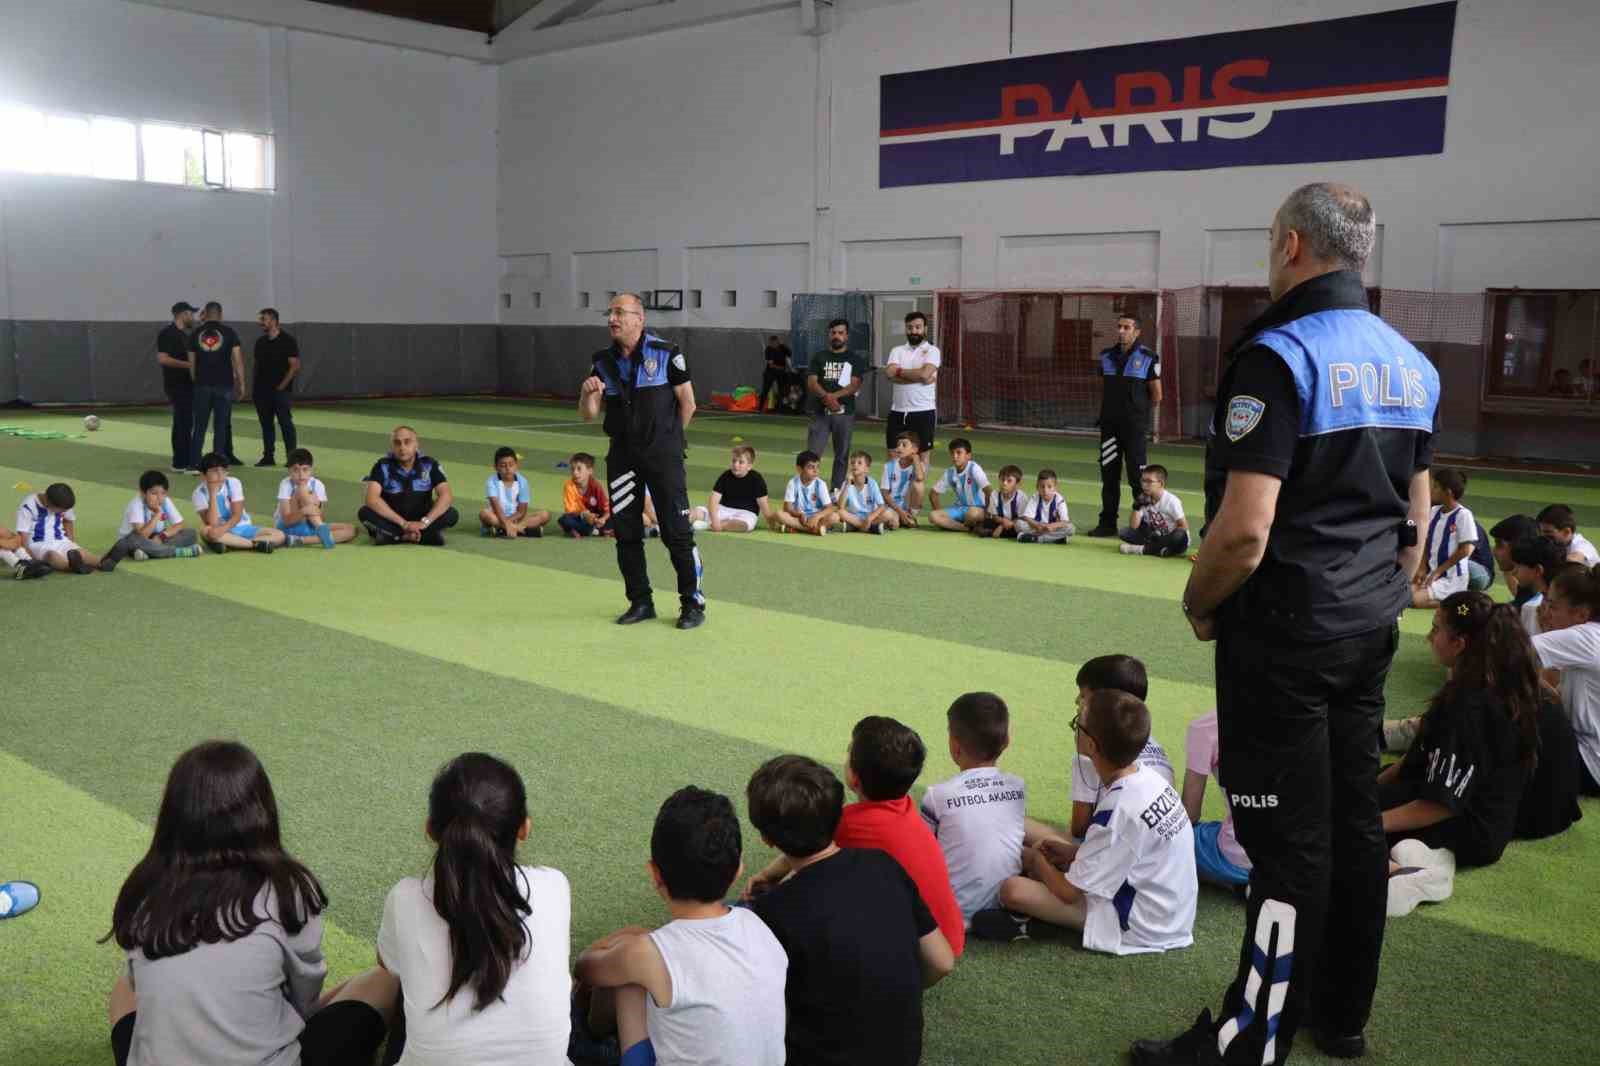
(1007,508)
(1046,520)
(861,502)
(302,497)
(506,511)
(219,503)
(966,479)
(1452,532)
(808,506)
(902,481)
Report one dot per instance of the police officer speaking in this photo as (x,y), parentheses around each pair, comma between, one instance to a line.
(1319,452)
(649,400)
(1132,376)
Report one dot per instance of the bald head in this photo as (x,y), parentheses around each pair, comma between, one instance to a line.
(1321,227)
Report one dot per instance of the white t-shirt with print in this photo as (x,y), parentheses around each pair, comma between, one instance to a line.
(1136,868)
(137,513)
(1014,508)
(977,817)
(1163,516)
(1040,510)
(914,396)
(232,494)
(809,498)
(510,496)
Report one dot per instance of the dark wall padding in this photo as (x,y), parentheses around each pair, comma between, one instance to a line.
(555,359)
(8,361)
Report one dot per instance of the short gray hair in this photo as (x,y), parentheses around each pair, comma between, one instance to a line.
(1334,221)
(635,297)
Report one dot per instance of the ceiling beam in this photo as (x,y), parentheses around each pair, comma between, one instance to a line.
(565,12)
(529,36)
(341,22)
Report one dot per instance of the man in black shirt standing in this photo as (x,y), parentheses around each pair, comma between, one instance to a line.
(218,378)
(1317,475)
(277,364)
(172,352)
(776,372)
(1132,375)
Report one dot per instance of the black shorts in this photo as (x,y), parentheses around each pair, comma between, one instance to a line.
(338,1034)
(922,423)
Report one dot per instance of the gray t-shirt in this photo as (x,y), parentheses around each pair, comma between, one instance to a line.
(727,1008)
(238,1003)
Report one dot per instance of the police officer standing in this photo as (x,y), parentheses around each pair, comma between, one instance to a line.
(1132,375)
(649,400)
(1317,475)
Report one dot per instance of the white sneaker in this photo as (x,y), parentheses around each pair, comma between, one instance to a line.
(140,555)
(1432,878)
(700,525)
(822,530)
(1131,549)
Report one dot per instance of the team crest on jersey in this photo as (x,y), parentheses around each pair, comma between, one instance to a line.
(1244,414)
(678,362)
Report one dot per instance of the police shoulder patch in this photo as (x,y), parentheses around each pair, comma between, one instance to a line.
(677,361)
(1244,414)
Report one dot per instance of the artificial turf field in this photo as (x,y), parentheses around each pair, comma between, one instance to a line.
(355,673)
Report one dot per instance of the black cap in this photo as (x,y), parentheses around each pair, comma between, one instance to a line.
(181,306)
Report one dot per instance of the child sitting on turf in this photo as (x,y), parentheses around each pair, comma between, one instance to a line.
(1505,533)
(224,523)
(151,526)
(586,510)
(977,815)
(970,484)
(1452,532)
(738,501)
(1007,509)
(707,988)
(1121,673)
(14,556)
(1571,644)
(864,508)
(46,522)
(1559,523)
(1535,561)
(302,497)
(223,934)
(506,513)
(1130,886)
(808,506)
(479,945)
(861,943)
(1159,526)
(1452,799)
(884,761)
(1045,521)
(1218,855)
(903,481)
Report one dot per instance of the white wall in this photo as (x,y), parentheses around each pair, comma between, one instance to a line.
(731,141)
(385,208)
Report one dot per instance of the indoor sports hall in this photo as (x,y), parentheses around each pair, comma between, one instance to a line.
(439,202)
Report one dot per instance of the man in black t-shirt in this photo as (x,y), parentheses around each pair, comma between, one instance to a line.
(833,379)
(408,497)
(776,372)
(861,943)
(277,365)
(218,379)
(172,352)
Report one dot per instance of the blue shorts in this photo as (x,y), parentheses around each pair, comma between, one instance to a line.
(959,514)
(1209,861)
(301,528)
(641,1054)
(245,530)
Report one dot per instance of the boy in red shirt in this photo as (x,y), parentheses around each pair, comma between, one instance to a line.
(586,511)
(885,760)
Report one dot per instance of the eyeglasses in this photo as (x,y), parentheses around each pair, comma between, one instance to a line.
(1079,727)
(619,312)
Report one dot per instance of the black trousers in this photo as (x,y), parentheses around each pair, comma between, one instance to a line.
(212,400)
(627,476)
(1299,726)
(772,376)
(182,428)
(433,535)
(1122,442)
(272,404)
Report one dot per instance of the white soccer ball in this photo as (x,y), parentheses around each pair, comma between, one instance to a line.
(91,422)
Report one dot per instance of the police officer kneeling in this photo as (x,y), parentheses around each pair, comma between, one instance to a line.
(649,400)
(1317,473)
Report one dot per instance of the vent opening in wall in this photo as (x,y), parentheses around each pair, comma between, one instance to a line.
(611,294)
(583,299)
(536,300)
(769,297)
(730,297)
(505,300)
(694,298)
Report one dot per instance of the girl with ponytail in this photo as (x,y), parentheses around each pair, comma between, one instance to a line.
(1453,798)
(480,943)
(1570,643)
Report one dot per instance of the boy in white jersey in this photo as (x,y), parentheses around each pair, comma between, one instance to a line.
(46,522)
(862,506)
(707,988)
(152,527)
(302,497)
(1452,531)
(1159,526)
(1559,524)
(970,485)
(903,479)
(1046,521)
(977,815)
(507,512)
(1007,509)
(1131,885)
(808,506)
(224,523)
(1119,673)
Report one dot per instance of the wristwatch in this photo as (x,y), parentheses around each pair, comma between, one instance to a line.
(1408,534)
(424,522)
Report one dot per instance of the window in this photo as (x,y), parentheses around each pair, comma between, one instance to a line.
(97,146)
(1543,345)
(769,297)
(536,300)
(694,298)
(730,297)
(583,299)
(505,300)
